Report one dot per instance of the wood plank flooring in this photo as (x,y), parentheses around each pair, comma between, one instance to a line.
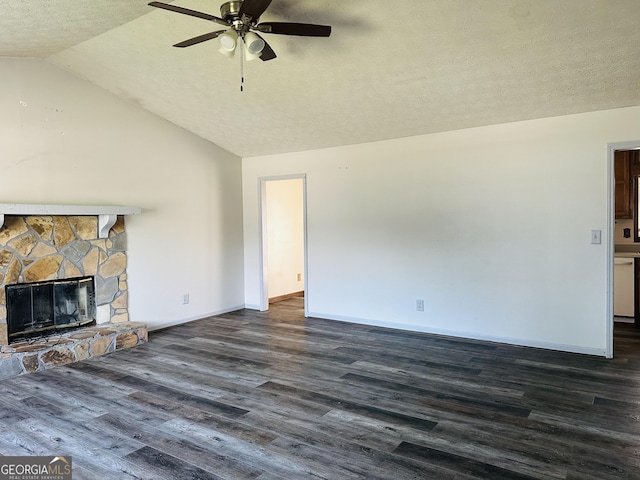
(251,395)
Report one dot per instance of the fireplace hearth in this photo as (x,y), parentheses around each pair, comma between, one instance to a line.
(42,308)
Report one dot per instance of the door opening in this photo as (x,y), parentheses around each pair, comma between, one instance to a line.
(283,238)
(623,246)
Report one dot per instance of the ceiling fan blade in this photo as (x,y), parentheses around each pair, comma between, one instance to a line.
(301,29)
(187,11)
(267,51)
(199,39)
(253,8)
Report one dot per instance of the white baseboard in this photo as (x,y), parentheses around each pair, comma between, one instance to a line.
(191,319)
(600,352)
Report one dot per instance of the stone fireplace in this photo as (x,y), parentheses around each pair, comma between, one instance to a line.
(38,248)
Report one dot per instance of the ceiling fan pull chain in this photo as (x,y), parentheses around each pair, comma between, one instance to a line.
(241,45)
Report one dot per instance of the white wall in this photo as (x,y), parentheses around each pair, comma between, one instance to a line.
(490,226)
(65,141)
(285,236)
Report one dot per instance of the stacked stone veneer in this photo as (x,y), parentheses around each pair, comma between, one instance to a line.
(38,248)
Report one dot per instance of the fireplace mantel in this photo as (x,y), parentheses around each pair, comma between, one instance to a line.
(107,215)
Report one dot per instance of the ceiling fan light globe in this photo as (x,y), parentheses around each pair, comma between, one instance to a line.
(253,44)
(228,40)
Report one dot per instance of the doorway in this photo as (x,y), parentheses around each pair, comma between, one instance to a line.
(623,266)
(283,239)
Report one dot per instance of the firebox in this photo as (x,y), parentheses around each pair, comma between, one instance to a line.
(41,308)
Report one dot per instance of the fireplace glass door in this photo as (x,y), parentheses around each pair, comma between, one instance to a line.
(37,308)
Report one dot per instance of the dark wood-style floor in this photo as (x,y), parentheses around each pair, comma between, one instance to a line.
(251,395)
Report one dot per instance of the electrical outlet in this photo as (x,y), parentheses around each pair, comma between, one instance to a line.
(185,298)
(299,276)
(420,305)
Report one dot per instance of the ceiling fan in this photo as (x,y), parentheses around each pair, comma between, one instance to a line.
(241,19)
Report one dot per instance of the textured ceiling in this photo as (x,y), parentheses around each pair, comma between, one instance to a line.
(430,66)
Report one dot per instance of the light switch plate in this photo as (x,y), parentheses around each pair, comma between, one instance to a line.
(596,237)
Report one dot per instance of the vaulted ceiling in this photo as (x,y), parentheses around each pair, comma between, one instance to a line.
(389,69)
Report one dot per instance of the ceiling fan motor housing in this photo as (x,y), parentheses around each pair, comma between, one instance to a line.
(229,10)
